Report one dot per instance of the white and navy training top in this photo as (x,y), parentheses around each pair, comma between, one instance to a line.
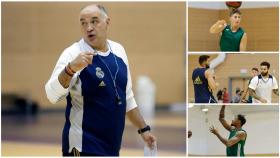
(94,119)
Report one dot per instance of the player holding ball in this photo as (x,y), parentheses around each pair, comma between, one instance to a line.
(232,35)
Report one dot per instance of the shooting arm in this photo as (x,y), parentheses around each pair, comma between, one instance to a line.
(222,119)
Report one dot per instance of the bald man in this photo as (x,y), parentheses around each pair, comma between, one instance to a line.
(93,75)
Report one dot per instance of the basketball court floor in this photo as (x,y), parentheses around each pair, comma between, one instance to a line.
(41,135)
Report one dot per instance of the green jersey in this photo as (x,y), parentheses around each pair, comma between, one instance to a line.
(238,148)
(230,41)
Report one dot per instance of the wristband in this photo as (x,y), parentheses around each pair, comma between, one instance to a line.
(147,128)
(69,71)
(69,67)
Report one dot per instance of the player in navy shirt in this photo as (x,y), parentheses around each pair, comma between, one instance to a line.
(93,75)
(203,81)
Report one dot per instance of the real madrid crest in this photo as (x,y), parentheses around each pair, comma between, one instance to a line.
(99,73)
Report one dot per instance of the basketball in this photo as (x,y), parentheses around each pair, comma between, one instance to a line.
(233,4)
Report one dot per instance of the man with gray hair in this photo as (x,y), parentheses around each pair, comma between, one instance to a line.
(93,75)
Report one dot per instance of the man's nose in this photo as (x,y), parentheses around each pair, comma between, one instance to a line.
(90,28)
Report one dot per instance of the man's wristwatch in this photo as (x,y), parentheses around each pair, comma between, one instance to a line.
(147,128)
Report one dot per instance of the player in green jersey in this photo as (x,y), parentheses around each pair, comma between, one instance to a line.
(237,136)
(233,37)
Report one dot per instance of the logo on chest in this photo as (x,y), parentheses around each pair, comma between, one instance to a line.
(99,73)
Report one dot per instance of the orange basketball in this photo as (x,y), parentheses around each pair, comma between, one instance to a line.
(235,5)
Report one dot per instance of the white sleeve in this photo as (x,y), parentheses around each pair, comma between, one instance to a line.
(254,82)
(130,100)
(275,85)
(54,90)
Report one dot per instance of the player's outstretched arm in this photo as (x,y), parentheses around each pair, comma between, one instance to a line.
(218,27)
(213,130)
(239,136)
(222,119)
